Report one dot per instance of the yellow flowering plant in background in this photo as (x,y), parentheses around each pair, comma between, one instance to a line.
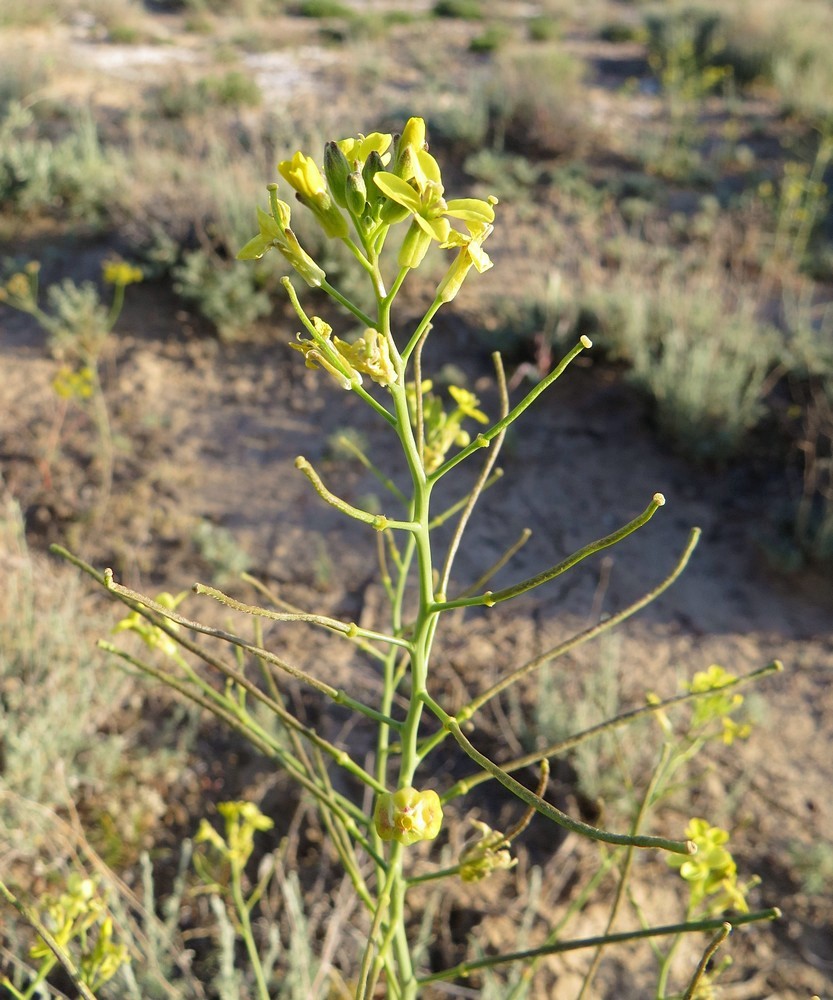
(77,325)
(383,197)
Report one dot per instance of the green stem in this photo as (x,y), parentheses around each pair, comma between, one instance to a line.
(465,785)
(138,601)
(237,719)
(377,521)
(490,598)
(455,508)
(364,987)
(483,440)
(593,632)
(708,955)
(246,930)
(543,807)
(116,306)
(479,485)
(466,968)
(360,315)
(421,329)
(346,442)
(105,434)
(645,803)
(349,629)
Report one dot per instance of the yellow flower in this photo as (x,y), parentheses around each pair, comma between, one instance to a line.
(471,255)
(716,705)
(413,135)
(302,174)
(408,816)
(20,291)
(119,272)
(151,635)
(242,821)
(320,352)
(711,873)
(370,354)
(423,199)
(735,731)
(467,404)
(71,383)
(357,150)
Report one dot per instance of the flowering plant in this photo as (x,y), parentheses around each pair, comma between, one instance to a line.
(370,191)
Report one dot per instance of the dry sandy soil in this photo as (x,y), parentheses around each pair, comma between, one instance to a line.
(209,432)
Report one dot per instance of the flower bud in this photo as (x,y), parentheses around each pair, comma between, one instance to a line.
(414,246)
(336,169)
(408,144)
(302,174)
(408,816)
(356,193)
(372,165)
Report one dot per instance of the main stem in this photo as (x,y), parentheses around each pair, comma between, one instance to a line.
(420,645)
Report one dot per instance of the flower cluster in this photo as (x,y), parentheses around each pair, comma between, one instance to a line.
(719,705)
(370,183)
(242,821)
(369,354)
(21,289)
(711,872)
(80,915)
(119,272)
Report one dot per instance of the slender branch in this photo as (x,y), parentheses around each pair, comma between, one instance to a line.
(466,968)
(587,634)
(351,307)
(544,807)
(449,512)
(339,697)
(627,866)
(377,521)
(279,602)
(482,479)
(347,442)
(483,440)
(419,332)
(349,629)
(419,403)
(464,785)
(711,949)
(499,563)
(230,712)
(490,598)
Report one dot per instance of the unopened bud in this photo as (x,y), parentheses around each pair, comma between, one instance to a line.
(372,165)
(356,192)
(336,170)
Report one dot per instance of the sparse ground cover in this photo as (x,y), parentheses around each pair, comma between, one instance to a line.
(663,176)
